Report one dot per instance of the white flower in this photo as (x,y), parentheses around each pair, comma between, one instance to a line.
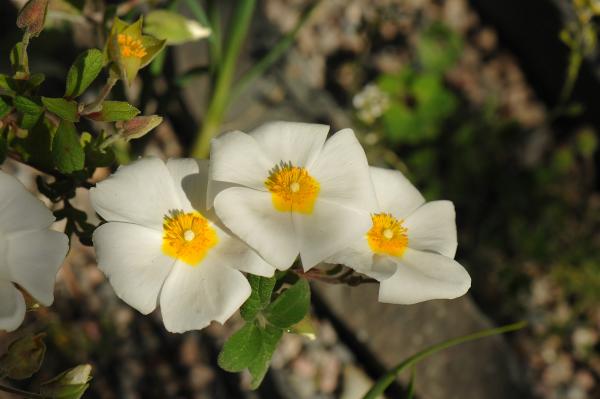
(289,192)
(160,242)
(30,253)
(410,245)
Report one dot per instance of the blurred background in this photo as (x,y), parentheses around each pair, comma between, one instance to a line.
(491,104)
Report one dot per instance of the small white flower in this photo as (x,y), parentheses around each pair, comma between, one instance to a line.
(410,246)
(160,242)
(30,253)
(290,192)
(371,103)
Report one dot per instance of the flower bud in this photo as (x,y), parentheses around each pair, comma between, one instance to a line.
(138,126)
(71,384)
(33,16)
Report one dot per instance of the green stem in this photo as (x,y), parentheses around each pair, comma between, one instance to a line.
(575,60)
(389,377)
(23,394)
(274,54)
(96,105)
(220,99)
(214,40)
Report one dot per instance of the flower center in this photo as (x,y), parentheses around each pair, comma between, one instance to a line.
(187,237)
(292,188)
(387,235)
(131,47)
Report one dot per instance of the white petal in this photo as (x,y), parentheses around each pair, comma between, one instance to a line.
(34,258)
(327,230)
(432,227)
(357,256)
(422,276)
(298,143)
(395,194)
(191,178)
(12,306)
(141,193)
(194,296)
(236,157)
(343,173)
(19,209)
(250,215)
(234,253)
(132,259)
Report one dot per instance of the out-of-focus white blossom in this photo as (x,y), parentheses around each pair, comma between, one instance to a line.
(30,253)
(370,103)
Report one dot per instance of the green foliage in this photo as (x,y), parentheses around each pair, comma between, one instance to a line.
(290,307)
(24,357)
(67,152)
(30,110)
(419,104)
(262,288)
(64,109)
(83,72)
(438,48)
(253,345)
(113,111)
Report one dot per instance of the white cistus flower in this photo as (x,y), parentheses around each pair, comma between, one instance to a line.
(290,192)
(161,246)
(30,253)
(410,245)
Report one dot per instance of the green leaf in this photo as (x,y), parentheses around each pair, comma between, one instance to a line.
(5,108)
(259,365)
(27,106)
(24,357)
(31,111)
(262,288)
(290,307)
(173,27)
(239,350)
(83,72)
(35,145)
(67,153)
(113,111)
(35,80)
(6,83)
(64,109)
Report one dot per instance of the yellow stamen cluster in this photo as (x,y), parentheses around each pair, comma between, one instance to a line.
(292,188)
(131,47)
(387,236)
(187,237)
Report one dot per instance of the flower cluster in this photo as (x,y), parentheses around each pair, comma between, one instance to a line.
(182,233)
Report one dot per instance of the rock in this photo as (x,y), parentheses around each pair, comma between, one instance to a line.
(483,369)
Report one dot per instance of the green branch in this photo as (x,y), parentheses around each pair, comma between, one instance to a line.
(389,377)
